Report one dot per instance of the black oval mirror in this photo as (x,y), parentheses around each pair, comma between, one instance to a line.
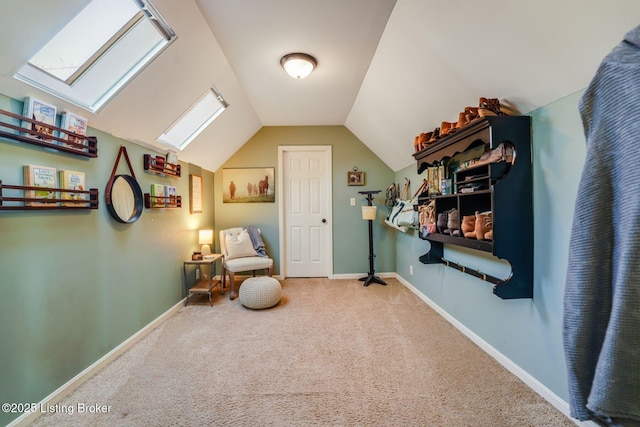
(124,199)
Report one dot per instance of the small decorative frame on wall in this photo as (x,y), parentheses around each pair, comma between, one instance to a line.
(355,178)
(195,190)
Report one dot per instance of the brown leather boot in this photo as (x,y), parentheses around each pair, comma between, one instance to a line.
(444,128)
(468,226)
(424,139)
(471,113)
(435,135)
(491,104)
(484,224)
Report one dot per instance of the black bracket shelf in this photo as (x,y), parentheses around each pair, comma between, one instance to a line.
(509,197)
(80,145)
(23,203)
(152,164)
(162,202)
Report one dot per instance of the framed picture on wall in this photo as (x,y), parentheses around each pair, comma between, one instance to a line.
(355,178)
(248,185)
(195,193)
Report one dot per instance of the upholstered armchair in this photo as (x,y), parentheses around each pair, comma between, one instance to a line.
(243,250)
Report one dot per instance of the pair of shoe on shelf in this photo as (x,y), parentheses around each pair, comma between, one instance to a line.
(504,152)
(449,222)
(425,139)
(478,226)
(486,107)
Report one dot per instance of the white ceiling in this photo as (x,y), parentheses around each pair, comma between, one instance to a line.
(387,69)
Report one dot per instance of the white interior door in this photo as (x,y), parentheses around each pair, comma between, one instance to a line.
(306,226)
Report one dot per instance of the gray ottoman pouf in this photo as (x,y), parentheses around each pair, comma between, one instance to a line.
(260,292)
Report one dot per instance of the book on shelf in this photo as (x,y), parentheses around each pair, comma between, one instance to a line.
(73,180)
(172,158)
(157,193)
(43,113)
(76,124)
(40,176)
(170,192)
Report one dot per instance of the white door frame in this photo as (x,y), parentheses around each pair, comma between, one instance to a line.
(281,214)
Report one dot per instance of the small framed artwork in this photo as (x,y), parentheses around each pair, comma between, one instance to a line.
(44,113)
(248,185)
(355,178)
(195,190)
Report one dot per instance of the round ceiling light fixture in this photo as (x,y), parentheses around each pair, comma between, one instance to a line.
(298,65)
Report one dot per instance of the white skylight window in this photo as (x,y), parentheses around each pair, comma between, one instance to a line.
(194,120)
(98,52)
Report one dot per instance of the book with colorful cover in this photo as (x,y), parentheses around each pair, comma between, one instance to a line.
(73,180)
(40,176)
(43,113)
(76,124)
(157,190)
(170,192)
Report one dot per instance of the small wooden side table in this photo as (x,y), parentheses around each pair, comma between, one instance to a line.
(203,285)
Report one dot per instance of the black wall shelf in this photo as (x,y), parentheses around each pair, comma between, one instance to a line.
(505,189)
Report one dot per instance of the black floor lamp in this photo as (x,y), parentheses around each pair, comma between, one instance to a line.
(369,214)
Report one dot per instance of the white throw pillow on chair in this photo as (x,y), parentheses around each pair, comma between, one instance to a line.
(239,246)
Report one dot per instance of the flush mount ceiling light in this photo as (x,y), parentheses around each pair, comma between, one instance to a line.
(298,65)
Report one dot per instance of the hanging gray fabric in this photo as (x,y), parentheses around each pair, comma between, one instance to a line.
(601,320)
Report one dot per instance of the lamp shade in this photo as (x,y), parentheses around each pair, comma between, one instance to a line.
(205,238)
(368,212)
(298,65)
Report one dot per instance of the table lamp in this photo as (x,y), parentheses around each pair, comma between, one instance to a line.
(205,238)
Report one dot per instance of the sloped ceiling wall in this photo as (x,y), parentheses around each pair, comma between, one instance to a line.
(416,63)
(437,57)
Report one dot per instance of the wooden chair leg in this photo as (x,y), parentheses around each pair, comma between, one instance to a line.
(223,279)
(233,295)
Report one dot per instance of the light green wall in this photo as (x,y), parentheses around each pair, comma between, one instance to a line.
(74,285)
(527,331)
(350,233)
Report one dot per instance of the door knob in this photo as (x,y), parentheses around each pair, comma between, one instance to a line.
(324,221)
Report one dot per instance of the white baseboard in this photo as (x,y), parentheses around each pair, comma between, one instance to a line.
(55,397)
(515,369)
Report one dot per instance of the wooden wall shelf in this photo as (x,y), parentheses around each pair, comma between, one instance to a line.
(151,164)
(18,203)
(162,202)
(87,145)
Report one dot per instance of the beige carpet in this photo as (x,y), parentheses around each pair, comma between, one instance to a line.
(332,353)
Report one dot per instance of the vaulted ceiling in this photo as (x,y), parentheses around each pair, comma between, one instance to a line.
(387,69)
